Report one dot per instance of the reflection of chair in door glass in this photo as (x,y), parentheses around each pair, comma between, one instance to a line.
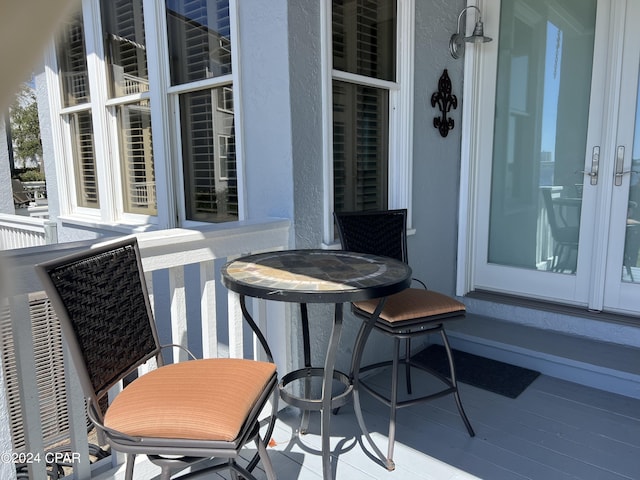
(563,215)
(631,248)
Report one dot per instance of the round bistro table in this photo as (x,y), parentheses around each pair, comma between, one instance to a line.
(319,276)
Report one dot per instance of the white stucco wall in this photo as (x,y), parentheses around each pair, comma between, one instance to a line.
(436,160)
(265,110)
(6,196)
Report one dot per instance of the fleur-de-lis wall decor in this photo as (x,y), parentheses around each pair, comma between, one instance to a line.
(445,101)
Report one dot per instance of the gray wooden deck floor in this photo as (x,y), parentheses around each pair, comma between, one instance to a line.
(554,430)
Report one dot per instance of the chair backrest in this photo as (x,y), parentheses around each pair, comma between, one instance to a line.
(375,232)
(16,186)
(101,299)
(20,195)
(552,215)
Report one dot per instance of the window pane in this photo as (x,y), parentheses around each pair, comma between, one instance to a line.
(199,39)
(84,163)
(72,62)
(138,178)
(208,153)
(542,109)
(124,46)
(364,37)
(360,147)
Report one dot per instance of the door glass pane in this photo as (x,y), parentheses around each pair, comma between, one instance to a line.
(199,39)
(631,267)
(209,155)
(542,109)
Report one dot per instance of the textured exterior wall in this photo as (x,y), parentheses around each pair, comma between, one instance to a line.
(306,112)
(46,137)
(266,112)
(6,196)
(436,159)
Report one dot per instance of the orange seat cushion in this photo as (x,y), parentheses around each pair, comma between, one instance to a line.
(197,399)
(412,304)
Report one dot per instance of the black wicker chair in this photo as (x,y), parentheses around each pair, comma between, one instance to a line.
(196,409)
(410,313)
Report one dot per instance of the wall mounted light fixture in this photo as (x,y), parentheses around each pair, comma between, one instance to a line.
(457,41)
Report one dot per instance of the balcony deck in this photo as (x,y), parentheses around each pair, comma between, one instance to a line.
(553,430)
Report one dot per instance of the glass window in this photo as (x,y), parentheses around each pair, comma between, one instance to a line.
(364,44)
(72,62)
(84,159)
(208,155)
(124,47)
(136,157)
(129,119)
(360,147)
(199,39)
(364,37)
(200,49)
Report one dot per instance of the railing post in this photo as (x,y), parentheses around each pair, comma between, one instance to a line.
(50,232)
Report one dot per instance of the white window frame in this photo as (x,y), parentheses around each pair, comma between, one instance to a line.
(400,113)
(222,159)
(103,113)
(173,94)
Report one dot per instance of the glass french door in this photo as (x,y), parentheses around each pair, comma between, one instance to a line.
(556,160)
(621,285)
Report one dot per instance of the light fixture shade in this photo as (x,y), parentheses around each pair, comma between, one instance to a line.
(478,34)
(457,41)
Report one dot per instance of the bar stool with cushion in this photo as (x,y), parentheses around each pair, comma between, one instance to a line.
(177,414)
(410,313)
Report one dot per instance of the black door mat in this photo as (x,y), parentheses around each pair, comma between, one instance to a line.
(492,375)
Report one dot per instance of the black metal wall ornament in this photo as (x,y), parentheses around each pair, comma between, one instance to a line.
(445,101)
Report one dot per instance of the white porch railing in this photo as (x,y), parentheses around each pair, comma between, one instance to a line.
(191,307)
(17,231)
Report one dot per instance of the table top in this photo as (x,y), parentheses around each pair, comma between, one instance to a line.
(316,276)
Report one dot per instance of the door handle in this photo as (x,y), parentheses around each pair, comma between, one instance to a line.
(620,171)
(595,162)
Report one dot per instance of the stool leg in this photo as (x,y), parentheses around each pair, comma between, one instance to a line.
(361,339)
(454,383)
(394,398)
(131,461)
(407,365)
